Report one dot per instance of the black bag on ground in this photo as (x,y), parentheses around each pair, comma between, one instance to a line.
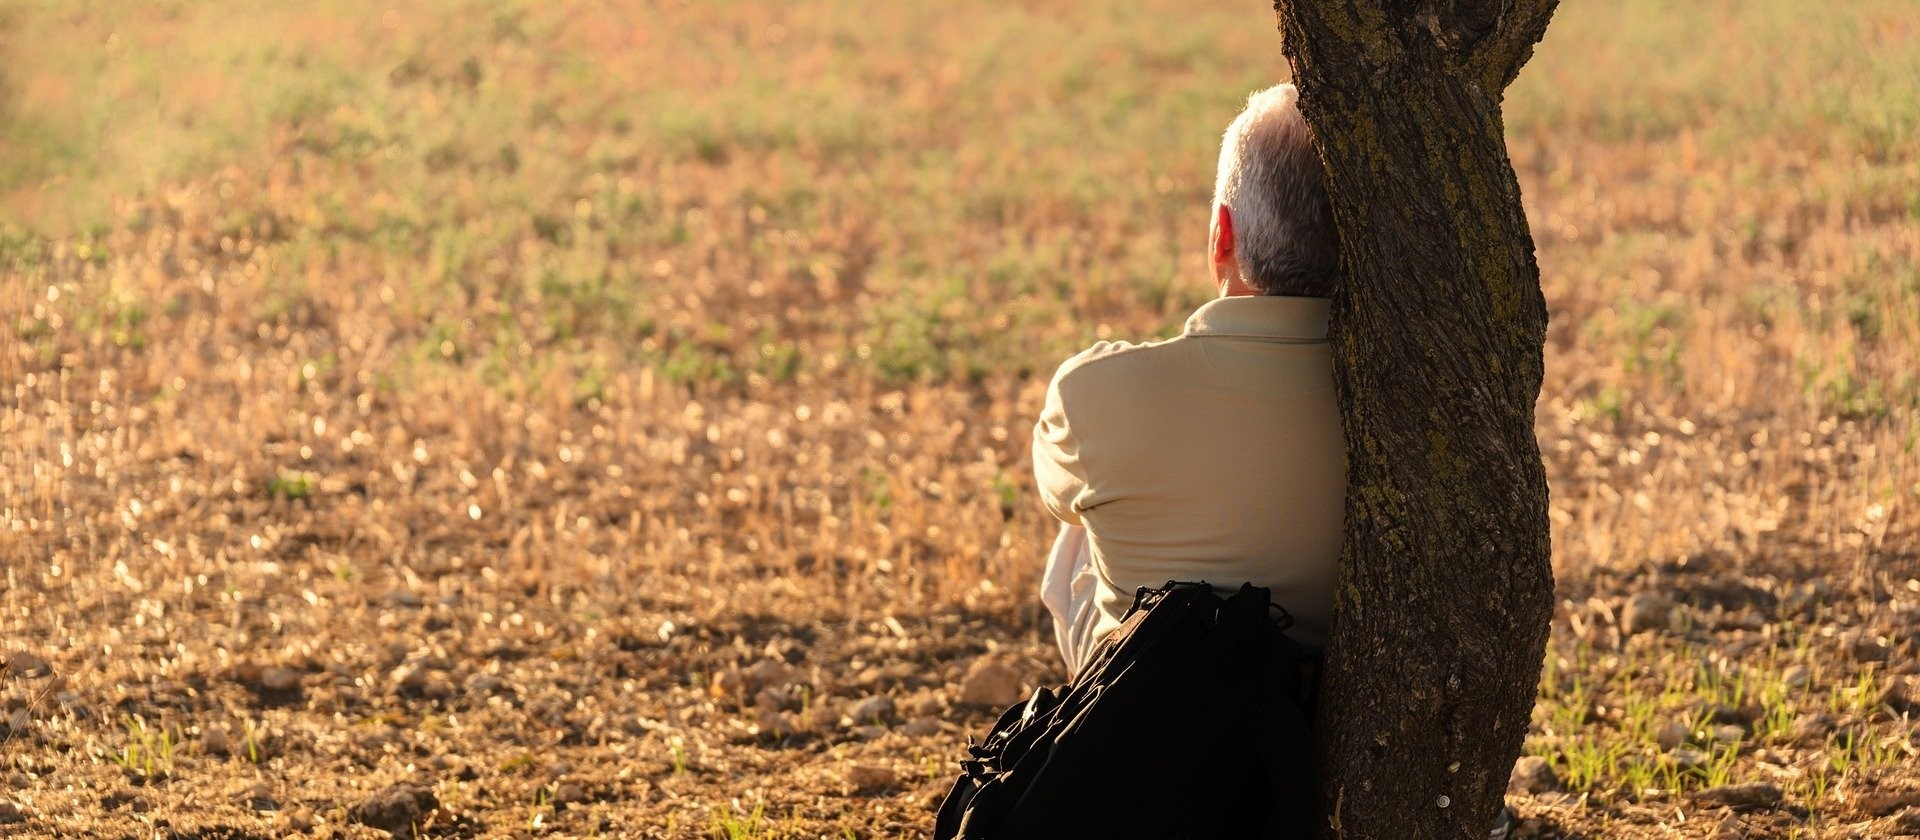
(1191,721)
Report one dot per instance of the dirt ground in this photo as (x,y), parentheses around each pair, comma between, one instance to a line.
(522,712)
(297,694)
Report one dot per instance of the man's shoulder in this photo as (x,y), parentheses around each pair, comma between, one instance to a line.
(1113,363)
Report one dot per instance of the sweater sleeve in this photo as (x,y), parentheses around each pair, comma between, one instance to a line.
(1057,469)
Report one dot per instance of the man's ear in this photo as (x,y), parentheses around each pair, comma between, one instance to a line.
(1222,234)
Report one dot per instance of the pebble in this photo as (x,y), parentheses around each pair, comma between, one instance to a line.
(1744,795)
(245,671)
(876,708)
(729,683)
(1672,734)
(1804,599)
(990,682)
(773,698)
(1644,612)
(868,777)
(1532,774)
(567,793)
(395,809)
(484,685)
(921,727)
(926,702)
(1723,713)
(276,678)
(1728,734)
(24,664)
(772,721)
(1797,676)
(1812,726)
(259,797)
(11,813)
(815,718)
(216,741)
(408,677)
(438,687)
(1729,828)
(868,733)
(1687,758)
(770,673)
(1865,647)
(300,820)
(1903,693)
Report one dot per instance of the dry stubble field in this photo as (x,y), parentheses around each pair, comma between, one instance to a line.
(592,419)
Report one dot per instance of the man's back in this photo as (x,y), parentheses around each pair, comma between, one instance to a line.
(1213,456)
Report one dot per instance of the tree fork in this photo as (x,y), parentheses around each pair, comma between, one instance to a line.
(1439,325)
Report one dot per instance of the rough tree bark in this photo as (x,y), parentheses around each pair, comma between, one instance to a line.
(1438,330)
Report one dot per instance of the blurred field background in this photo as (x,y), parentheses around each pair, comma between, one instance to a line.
(611,419)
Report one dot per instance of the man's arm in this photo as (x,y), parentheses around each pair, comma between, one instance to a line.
(1057,471)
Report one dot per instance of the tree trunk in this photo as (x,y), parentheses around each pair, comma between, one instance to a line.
(1446,585)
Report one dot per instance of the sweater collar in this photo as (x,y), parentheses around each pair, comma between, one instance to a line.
(1263,316)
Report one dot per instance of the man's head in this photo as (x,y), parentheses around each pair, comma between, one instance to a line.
(1272,226)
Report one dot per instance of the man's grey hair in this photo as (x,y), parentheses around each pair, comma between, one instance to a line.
(1274,184)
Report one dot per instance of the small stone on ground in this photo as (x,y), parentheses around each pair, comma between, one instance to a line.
(1672,734)
(1747,795)
(24,664)
(1532,774)
(990,683)
(1645,611)
(921,727)
(869,777)
(872,709)
(395,809)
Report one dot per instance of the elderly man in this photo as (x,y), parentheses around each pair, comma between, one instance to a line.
(1216,455)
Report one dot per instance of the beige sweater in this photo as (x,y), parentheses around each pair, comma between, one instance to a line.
(1216,455)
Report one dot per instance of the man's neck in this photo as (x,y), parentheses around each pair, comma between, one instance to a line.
(1233,285)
